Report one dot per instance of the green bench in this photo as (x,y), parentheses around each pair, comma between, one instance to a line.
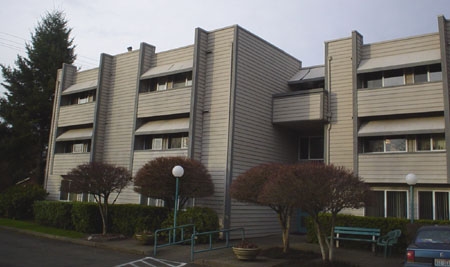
(359,234)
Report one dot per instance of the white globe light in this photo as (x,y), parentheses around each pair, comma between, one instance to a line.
(178,171)
(411,179)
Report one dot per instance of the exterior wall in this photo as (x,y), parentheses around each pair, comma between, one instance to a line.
(444,36)
(86,76)
(254,139)
(392,167)
(173,56)
(405,99)
(299,107)
(142,157)
(216,113)
(340,80)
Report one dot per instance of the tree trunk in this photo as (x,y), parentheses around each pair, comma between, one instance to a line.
(331,243)
(286,230)
(319,238)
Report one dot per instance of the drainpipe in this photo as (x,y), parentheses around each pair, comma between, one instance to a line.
(329,113)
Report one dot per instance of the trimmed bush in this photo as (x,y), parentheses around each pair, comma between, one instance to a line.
(204,219)
(54,213)
(17,201)
(86,218)
(129,219)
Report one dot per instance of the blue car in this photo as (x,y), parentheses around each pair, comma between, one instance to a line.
(430,248)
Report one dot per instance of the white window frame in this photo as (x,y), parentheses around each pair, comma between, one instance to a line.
(157,143)
(433,196)
(385,191)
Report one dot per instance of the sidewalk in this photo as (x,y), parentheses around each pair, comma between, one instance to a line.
(226,258)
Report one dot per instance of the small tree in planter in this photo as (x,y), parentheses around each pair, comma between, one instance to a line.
(100,180)
(246,250)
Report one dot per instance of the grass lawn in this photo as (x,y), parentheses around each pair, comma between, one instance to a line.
(32,226)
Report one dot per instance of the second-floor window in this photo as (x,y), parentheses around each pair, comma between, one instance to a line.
(410,143)
(82,146)
(163,83)
(79,98)
(162,142)
(398,77)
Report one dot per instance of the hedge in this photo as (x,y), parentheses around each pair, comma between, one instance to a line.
(54,214)
(17,201)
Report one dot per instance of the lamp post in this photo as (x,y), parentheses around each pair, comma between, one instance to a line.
(411,180)
(177,172)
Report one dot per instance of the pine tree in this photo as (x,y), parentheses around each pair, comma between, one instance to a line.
(26,109)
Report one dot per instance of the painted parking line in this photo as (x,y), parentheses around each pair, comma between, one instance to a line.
(153,262)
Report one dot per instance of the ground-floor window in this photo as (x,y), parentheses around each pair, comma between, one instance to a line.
(433,205)
(385,203)
(148,201)
(65,195)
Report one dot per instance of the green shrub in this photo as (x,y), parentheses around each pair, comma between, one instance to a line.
(86,217)
(54,213)
(128,219)
(204,219)
(17,201)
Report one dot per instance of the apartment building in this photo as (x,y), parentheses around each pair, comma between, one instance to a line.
(232,101)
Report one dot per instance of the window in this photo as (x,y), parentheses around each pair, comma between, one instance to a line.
(433,142)
(162,142)
(148,201)
(398,77)
(384,144)
(82,146)
(385,203)
(434,205)
(311,148)
(163,83)
(411,143)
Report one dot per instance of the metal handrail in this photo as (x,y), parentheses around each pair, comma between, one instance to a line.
(211,233)
(172,240)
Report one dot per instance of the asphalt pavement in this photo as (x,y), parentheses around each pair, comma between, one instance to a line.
(180,255)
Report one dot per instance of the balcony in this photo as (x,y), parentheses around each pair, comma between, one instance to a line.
(141,157)
(392,167)
(76,114)
(300,106)
(418,98)
(160,103)
(65,162)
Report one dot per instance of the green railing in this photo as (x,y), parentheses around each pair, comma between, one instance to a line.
(171,235)
(226,233)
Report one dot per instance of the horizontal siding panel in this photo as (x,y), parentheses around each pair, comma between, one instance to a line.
(63,163)
(168,102)
(53,186)
(298,108)
(400,46)
(173,56)
(401,100)
(76,114)
(87,75)
(393,167)
(140,158)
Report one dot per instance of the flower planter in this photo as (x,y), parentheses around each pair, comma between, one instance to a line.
(246,254)
(144,239)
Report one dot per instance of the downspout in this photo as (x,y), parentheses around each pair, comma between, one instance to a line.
(329,113)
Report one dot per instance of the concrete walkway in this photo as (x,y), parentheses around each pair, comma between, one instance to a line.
(226,258)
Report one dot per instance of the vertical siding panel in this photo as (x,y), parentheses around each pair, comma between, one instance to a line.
(214,141)
(262,71)
(341,97)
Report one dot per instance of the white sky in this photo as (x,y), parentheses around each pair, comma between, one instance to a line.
(299,27)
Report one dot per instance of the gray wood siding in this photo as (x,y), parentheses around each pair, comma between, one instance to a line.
(393,167)
(174,101)
(86,76)
(66,162)
(119,110)
(401,100)
(107,66)
(299,107)
(198,94)
(341,97)
(262,71)
(140,158)
(173,56)
(53,187)
(216,117)
(400,46)
(76,114)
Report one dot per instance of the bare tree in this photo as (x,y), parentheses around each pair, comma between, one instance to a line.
(328,189)
(155,180)
(99,180)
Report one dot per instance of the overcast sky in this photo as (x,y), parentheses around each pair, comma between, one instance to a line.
(299,27)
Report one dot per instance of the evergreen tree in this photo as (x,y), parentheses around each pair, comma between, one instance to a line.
(26,109)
